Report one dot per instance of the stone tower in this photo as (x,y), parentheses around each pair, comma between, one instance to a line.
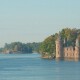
(77,47)
(59,47)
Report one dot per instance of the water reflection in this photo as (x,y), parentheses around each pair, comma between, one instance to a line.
(67,59)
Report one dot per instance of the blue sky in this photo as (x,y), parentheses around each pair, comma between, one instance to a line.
(34,20)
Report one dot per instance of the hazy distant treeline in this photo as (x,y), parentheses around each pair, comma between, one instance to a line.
(16,47)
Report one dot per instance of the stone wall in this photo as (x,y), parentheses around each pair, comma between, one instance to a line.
(69,52)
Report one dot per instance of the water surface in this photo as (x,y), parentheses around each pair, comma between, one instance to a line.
(32,67)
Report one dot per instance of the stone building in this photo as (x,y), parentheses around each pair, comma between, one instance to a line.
(67,51)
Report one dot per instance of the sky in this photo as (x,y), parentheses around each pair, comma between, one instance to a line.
(34,20)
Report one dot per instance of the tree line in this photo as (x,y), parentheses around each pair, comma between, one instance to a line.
(48,46)
(19,47)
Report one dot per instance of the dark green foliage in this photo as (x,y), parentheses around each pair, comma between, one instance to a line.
(20,47)
(35,46)
(48,45)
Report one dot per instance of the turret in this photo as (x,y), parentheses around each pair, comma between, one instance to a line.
(77,51)
(64,42)
(59,47)
(77,42)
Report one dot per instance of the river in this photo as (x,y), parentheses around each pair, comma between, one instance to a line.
(33,67)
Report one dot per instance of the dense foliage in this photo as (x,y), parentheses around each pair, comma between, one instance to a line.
(48,45)
(18,47)
(70,35)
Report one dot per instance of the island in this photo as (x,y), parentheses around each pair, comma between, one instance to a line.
(64,44)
